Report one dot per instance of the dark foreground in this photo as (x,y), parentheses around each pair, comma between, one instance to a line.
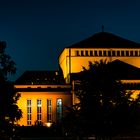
(90,138)
(44,133)
(69,138)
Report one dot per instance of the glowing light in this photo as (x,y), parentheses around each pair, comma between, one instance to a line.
(48,124)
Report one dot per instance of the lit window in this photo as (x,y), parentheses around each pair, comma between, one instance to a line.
(49,110)
(56,73)
(59,109)
(29,111)
(39,105)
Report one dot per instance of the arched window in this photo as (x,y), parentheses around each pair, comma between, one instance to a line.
(59,109)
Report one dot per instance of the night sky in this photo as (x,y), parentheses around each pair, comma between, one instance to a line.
(36,31)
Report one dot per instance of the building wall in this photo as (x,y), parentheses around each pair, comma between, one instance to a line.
(64,61)
(134,83)
(43,96)
(73,59)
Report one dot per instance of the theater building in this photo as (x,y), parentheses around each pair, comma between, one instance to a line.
(101,45)
(122,53)
(45,94)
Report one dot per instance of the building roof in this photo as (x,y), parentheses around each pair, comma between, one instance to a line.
(105,40)
(40,78)
(124,71)
(120,70)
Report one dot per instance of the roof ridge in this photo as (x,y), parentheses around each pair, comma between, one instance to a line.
(106,40)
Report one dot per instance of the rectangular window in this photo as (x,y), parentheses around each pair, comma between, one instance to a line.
(118,53)
(122,53)
(91,53)
(39,111)
(59,109)
(29,111)
(136,53)
(100,53)
(127,53)
(77,53)
(95,53)
(82,53)
(49,110)
(104,53)
(109,53)
(86,53)
(113,53)
(131,53)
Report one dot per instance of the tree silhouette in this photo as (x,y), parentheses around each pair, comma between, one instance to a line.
(105,108)
(9,111)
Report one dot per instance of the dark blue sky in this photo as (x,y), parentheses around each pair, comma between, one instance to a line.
(36,31)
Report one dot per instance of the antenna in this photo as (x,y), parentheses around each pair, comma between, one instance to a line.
(102,28)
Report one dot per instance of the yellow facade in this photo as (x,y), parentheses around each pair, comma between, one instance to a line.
(135,92)
(101,46)
(43,96)
(71,63)
(72,60)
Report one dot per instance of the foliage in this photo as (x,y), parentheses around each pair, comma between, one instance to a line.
(9,111)
(105,108)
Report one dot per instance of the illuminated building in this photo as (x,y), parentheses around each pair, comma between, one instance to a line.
(44,94)
(103,46)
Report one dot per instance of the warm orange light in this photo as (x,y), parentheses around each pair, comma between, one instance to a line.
(48,124)
(43,95)
(75,62)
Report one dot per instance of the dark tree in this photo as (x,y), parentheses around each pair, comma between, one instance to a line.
(9,111)
(105,109)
